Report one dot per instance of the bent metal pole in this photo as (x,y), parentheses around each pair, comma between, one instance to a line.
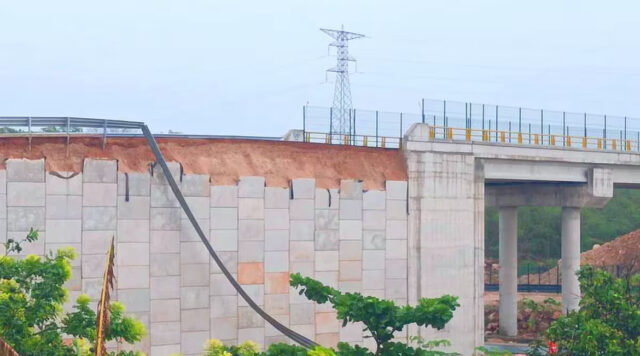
(183,203)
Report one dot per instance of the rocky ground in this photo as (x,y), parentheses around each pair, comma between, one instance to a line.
(531,321)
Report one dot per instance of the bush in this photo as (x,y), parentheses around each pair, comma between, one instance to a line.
(31,315)
(536,317)
(608,321)
(381,318)
(215,347)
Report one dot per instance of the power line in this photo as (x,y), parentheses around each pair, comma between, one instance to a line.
(342,104)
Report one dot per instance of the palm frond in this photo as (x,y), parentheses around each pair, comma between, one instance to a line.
(6,349)
(102,318)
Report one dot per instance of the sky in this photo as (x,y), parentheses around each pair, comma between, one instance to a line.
(247,67)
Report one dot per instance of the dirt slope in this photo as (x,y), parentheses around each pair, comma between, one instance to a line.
(224,159)
(623,251)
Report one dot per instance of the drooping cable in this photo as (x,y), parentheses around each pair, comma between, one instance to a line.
(300,339)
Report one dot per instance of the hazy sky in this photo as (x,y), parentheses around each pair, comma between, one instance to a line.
(247,67)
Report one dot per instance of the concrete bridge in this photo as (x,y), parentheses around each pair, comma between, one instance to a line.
(395,224)
(451,182)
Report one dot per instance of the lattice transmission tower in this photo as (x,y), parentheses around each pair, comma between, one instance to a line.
(340,121)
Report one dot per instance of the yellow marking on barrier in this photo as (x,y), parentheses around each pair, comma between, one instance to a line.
(470,135)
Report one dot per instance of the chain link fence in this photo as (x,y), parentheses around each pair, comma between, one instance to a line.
(452,120)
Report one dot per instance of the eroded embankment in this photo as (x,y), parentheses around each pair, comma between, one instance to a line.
(225,160)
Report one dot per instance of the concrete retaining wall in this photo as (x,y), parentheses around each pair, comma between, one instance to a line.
(351,239)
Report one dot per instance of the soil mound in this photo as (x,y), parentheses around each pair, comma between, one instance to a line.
(617,256)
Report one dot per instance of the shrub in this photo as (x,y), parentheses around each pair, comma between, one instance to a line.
(608,321)
(215,347)
(536,317)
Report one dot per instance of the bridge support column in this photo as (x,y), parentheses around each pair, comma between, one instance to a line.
(570,258)
(508,274)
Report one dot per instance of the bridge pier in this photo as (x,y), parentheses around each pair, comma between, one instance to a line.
(508,274)
(570,258)
(508,259)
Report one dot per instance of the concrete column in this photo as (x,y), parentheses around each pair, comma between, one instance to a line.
(508,276)
(570,258)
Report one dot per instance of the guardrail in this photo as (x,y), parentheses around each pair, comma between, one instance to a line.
(354,140)
(16,126)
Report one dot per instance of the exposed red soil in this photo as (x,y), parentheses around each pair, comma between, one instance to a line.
(225,160)
(624,250)
(617,256)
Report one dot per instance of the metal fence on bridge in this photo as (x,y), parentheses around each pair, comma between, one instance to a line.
(451,120)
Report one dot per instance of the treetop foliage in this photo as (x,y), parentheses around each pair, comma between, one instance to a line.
(32,319)
(381,318)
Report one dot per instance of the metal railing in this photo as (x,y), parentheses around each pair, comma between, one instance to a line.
(23,126)
(365,127)
(534,280)
(543,279)
(450,120)
(529,138)
(355,140)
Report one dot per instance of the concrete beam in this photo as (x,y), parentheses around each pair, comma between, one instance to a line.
(595,193)
(537,194)
(520,170)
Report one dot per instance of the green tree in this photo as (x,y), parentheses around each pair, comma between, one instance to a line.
(56,129)
(381,318)
(32,320)
(7,129)
(608,321)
